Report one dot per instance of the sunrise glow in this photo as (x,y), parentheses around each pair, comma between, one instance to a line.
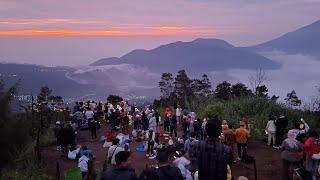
(160,31)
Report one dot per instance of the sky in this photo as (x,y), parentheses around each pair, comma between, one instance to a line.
(78,32)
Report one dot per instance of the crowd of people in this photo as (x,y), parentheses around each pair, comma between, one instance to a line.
(184,146)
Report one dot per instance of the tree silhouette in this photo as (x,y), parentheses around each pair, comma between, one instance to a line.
(223,90)
(183,87)
(239,89)
(166,84)
(262,91)
(206,85)
(114,99)
(292,99)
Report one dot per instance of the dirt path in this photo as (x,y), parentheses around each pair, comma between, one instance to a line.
(268,159)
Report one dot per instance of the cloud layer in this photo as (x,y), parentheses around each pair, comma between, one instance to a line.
(299,72)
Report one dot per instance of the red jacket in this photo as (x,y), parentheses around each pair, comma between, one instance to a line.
(311,146)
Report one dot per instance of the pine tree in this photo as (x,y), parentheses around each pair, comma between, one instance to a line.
(166,84)
(206,85)
(183,87)
(292,99)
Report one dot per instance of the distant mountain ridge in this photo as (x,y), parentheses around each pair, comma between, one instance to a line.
(200,55)
(137,72)
(32,77)
(305,40)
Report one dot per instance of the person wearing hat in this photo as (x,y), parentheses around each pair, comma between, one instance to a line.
(242,136)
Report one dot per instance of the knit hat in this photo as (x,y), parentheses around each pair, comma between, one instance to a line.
(170,142)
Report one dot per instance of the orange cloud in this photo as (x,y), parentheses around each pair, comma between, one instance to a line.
(160,31)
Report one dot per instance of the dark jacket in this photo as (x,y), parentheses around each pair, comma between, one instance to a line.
(281,124)
(173,121)
(119,174)
(212,159)
(169,172)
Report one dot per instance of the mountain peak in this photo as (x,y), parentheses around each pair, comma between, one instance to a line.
(213,42)
(305,40)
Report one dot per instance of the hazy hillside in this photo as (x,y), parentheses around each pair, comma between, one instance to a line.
(305,40)
(32,77)
(200,55)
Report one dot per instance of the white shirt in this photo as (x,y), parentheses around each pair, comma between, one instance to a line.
(110,151)
(89,114)
(73,154)
(271,127)
(152,122)
(178,111)
(182,160)
(83,163)
(92,105)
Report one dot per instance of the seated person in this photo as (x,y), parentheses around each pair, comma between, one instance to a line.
(74,152)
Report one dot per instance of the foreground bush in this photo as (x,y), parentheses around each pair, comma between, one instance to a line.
(258,110)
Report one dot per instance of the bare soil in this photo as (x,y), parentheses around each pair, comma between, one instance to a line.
(268,160)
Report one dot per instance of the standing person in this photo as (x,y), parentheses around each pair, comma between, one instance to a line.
(122,115)
(247,126)
(189,148)
(242,136)
(122,169)
(136,120)
(78,115)
(93,129)
(165,171)
(83,164)
(212,156)
(197,128)
(100,110)
(271,130)
(67,137)
(281,125)
(112,119)
(156,115)
(230,139)
(166,123)
(179,114)
(203,129)
(173,126)
(153,123)
(185,126)
(113,150)
(150,136)
(89,115)
(145,121)
(106,112)
(291,155)
(76,107)
(311,147)
(56,131)
(126,124)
